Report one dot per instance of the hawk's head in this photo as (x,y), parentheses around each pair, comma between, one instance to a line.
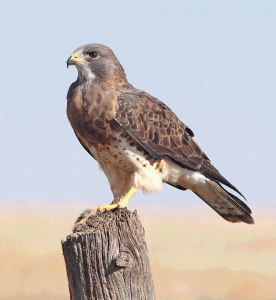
(95,61)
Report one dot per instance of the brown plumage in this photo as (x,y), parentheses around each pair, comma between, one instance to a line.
(137,140)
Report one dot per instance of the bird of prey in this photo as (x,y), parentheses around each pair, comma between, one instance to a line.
(137,140)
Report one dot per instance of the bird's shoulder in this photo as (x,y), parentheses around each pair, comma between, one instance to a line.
(157,128)
(138,102)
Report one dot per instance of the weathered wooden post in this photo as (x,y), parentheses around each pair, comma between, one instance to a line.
(107,259)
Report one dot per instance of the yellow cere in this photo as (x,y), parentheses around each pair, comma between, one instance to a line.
(75,55)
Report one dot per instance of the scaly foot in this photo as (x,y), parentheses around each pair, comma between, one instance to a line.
(103,208)
(121,204)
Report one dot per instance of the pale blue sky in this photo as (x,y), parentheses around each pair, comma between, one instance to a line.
(212,63)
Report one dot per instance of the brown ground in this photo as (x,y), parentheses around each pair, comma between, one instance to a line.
(195,255)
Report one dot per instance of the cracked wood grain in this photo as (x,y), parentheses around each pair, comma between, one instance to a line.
(107,259)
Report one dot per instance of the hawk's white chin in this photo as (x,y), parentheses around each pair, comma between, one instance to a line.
(85,73)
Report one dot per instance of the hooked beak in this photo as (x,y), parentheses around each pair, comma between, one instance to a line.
(74,59)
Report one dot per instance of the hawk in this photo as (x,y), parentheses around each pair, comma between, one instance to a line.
(137,140)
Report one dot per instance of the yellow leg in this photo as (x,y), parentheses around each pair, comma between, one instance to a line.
(123,203)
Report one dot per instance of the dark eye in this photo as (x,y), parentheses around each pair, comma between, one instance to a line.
(93,54)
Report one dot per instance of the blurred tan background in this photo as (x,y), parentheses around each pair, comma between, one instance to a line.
(194,253)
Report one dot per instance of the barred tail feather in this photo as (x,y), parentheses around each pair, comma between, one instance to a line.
(224,203)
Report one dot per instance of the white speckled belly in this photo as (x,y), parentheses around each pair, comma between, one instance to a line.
(148,174)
